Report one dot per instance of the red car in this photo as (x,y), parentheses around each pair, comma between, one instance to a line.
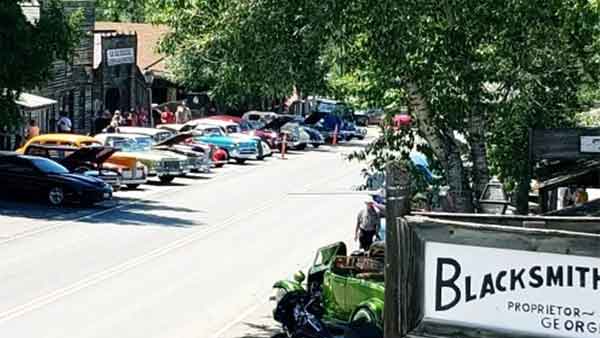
(272,138)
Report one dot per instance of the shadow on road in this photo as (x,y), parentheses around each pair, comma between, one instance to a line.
(121,211)
(259,331)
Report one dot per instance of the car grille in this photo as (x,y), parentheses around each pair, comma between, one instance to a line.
(172,165)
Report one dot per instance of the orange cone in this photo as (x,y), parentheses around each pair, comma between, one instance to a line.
(283,145)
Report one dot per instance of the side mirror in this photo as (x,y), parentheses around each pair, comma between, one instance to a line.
(299,277)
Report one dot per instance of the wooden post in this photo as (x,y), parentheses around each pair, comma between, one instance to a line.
(397,205)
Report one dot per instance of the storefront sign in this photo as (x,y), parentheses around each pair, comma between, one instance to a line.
(536,293)
(120,56)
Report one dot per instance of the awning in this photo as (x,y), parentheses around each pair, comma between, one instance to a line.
(31,101)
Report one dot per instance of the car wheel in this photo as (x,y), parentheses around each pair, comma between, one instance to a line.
(363,316)
(364,325)
(219,165)
(301,146)
(166,179)
(132,186)
(56,196)
(240,160)
(315,145)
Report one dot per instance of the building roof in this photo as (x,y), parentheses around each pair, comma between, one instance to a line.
(148,36)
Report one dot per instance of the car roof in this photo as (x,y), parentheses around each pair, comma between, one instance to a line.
(142,130)
(123,135)
(220,122)
(75,138)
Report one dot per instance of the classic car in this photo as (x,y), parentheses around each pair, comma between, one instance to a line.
(157,135)
(271,138)
(218,155)
(297,138)
(235,130)
(39,177)
(327,124)
(85,160)
(350,287)
(316,139)
(133,173)
(237,149)
(198,158)
(262,116)
(165,165)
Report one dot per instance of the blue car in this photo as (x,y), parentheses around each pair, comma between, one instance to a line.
(238,149)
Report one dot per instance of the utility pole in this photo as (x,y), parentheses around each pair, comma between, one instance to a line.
(397,205)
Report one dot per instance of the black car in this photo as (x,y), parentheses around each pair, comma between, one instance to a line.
(85,160)
(34,176)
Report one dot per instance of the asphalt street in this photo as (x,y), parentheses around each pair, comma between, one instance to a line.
(193,259)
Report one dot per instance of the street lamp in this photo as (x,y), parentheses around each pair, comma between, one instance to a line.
(149,77)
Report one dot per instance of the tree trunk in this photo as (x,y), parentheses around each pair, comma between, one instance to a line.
(522,198)
(476,138)
(445,149)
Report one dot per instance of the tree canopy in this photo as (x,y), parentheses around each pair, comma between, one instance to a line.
(27,50)
(475,75)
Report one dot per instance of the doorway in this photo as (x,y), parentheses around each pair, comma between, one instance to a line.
(112,99)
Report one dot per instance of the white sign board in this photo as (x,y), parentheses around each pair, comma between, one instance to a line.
(589,144)
(531,292)
(120,56)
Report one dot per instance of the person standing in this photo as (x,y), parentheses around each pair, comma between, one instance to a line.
(32,130)
(118,118)
(64,124)
(367,225)
(167,116)
(183,114)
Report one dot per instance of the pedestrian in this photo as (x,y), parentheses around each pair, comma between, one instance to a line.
(367,225)
(142,117)
(64,124)
(118,118)
(113,127)
(182,115)
(32,130)
(167,116)
(102,121)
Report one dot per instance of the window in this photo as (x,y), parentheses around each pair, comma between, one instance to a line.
(49,166)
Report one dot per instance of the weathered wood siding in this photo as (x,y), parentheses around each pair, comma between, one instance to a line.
(71,83)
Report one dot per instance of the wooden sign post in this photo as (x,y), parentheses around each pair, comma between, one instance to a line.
(397,205)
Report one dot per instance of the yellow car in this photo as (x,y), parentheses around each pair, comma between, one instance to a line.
(133,173)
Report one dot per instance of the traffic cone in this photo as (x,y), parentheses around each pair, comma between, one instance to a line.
(283,146)
(335,133)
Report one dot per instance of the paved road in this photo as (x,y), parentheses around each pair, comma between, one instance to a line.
(195,259)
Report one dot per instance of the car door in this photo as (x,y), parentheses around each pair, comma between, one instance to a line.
(334,295)
(29,179)
(6,176)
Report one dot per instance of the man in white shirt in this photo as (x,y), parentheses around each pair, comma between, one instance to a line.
(64,124)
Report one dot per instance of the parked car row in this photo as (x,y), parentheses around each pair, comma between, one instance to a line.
(64,168)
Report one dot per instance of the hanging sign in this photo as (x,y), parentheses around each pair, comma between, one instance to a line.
(120,56)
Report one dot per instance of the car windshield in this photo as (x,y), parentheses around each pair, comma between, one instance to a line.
(125,144)
(245,126)
(163,136)
(233,129)
(48,166)
(144,143)
(257,124)
(212,132)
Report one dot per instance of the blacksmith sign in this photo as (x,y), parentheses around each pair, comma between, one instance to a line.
(492,281)
(120,56)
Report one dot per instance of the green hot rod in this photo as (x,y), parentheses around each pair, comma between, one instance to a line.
(349,288)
